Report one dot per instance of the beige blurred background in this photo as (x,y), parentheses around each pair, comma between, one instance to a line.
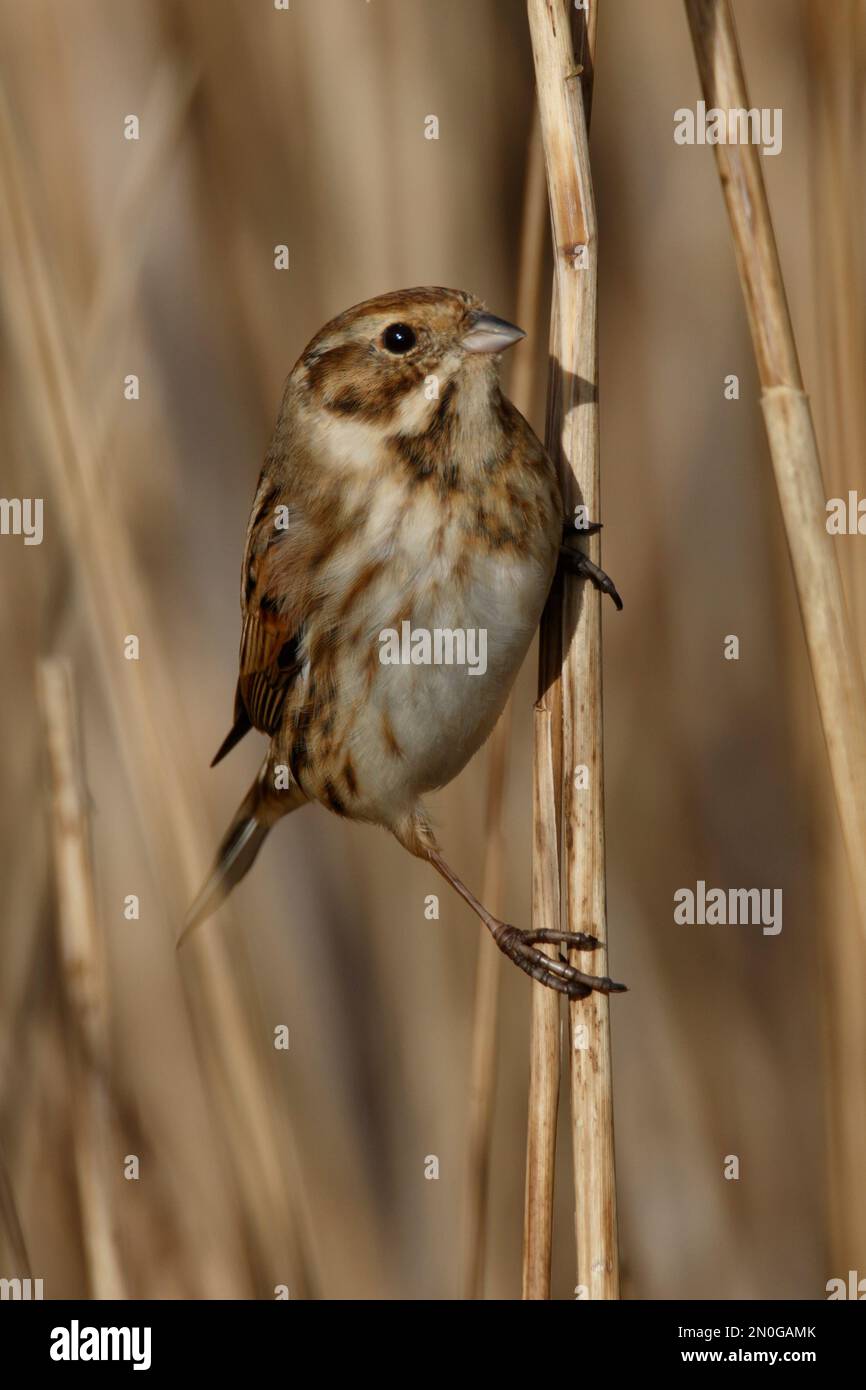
(306,1167)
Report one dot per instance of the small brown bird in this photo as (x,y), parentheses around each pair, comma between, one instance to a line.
(403,539)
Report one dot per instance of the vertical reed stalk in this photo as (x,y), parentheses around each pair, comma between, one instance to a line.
(835,663)
(835,43)
(486,1012)
(83,973)
(593,1159)
(564,94)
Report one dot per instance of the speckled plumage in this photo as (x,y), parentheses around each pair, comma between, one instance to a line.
(398,486)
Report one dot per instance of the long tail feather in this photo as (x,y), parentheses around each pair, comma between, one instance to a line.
(261,808)
(237,731)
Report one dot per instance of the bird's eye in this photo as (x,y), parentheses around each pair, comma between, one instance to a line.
(399,337)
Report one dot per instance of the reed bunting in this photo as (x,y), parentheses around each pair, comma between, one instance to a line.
(401,494)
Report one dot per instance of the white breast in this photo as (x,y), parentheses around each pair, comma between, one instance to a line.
(439,713)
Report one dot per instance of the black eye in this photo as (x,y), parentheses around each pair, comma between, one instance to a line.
(399,337)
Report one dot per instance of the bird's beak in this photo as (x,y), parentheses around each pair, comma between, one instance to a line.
(490,334)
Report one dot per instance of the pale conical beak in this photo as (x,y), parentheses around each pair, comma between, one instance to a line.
(490,334)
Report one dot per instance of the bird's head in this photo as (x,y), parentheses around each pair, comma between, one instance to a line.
(392,360)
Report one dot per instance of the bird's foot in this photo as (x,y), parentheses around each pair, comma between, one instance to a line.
(579,564)
(521,947)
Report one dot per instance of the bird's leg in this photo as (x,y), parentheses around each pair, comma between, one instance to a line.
(521,946)
(579,564)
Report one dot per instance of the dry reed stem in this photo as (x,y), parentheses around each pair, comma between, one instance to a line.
(544,1056)
(564,101)
(836,47)
(84,978)
(835,663)
(150,744)
(544,1059)
(486,1011)
(544,1062)
(593,1158)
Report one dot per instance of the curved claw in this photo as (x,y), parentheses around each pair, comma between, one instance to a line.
(579,564)
(553,971)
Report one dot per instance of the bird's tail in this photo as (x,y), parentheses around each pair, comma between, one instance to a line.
(261,808)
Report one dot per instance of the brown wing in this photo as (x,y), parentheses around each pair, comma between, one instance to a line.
(272,606)
(268,666)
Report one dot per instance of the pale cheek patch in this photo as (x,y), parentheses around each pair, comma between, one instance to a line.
(349,446)
(386,517)
(418,406)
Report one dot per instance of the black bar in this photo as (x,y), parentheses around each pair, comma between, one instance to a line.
(408,1341)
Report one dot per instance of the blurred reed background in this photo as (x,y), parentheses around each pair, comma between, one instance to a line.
(306,1167)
